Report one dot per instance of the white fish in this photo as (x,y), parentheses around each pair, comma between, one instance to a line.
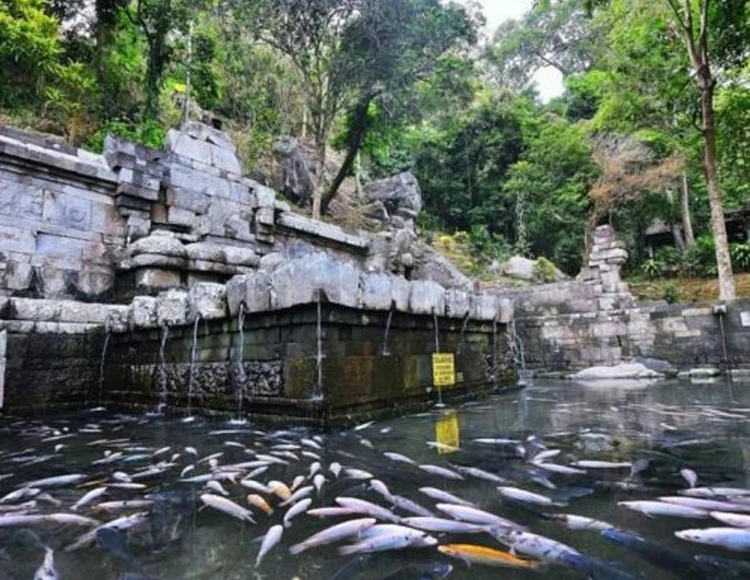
(255,485)
(546,454)
(476,516)
(496,441)
(318,481)
(379,487)
(707,504)
(405,538)
(574,522)
(479,474)
(715,492)
(562,469)
(734,520)
(363,426)
(444,496)
(331,512)
(357,473)
(299,480)
(161,451)
(658,508)
(736,539)
(20,494)
(47,570)
(310,443)
(335,468)
(314,468)
(89,497)
(690,476)
(367,508)
(398,457)
(298,508)
(302,492)
(187,469)
(524,496)
(441,471)
(11,520)
(333,534)
(534,545)
(410,506)
(217,487)
(270,540)
(595,464)
(192,451)
(58,480)
(122,523)
(111,506)
(310,454)
(441,525)
(228,507)
(121,476)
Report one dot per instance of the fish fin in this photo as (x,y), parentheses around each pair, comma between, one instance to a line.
(349,550)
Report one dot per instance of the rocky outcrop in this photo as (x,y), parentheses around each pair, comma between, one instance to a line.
(295,175)
(395,200)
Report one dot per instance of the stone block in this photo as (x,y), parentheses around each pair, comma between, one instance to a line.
(171,308)
(301,281)
(148,279)
(485,307)
(506,310)
(457,303)
(32,309)
(270,262)
(14,239)
(17,275)
(254,291)
(87,313)
(158,243)
(264,196)
(188,199)
(226,160)
(207,301)
(64,252)
(426,297)
(20,200)
(203,132)
(66,211)
(400,292)
(139,179)
(205,251)
(376,292)
(181,217)
(142,312)
(265,216)
(240,257)
(143,194)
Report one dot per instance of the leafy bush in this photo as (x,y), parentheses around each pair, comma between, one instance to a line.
(544,270)
(740,255)
(151,134)
(653,268)
(672,293)
(700,258)
(490,246)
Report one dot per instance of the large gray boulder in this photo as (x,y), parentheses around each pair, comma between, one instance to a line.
(399,194)
(433,266)
(621,371)
(295,174)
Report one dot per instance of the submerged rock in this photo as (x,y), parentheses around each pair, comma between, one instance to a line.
(622,371)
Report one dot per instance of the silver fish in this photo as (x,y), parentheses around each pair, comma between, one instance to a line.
(270,540)
(441,525)
(398,457)
(301,493)
(297,509)
(441,471)
(444,496)
(730,519)
(47,570)
(333,534)
(368,508)
(395,540)
(574,522)
(736,539)
(89,497)
(658,508)
(689,476)
(476,516)
(228,507)
(524,496)
(58,480)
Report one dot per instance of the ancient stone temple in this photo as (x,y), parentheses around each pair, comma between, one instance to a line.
(144,278)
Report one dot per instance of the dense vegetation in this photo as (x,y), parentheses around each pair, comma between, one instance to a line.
(654,123)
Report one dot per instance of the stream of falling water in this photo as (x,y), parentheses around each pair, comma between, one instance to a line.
(191,378)
(516,347)
(163,369)
(437,351)
(105,346)
(241,378)
(317,394)
(384,351)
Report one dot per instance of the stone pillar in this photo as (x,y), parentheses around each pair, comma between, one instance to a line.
(605,261)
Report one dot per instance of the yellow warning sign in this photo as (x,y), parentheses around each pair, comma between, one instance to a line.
(443,370)
(447,433)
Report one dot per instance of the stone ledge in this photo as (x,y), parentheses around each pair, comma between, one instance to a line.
(302,224)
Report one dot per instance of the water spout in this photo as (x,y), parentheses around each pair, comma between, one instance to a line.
(105,346)
(163,389)
(241,378)
(463,329)
(437,330)
(518,354)
(191,378)
(384,350)
(317,394)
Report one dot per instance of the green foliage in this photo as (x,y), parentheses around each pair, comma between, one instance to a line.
(545,271)
(672,293)
(653,268)
(740,255)
(149,133)
(488,245)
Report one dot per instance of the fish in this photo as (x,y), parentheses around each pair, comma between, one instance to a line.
(735,539)
(227,506)
(335,468)
(367,508)
(731,519)
(270,540)
(388,537)
(47,570)
(318,480)
(110,506)
(363,426)
(279,489)
(260,502)
(689,476)
(478,473)
(297,509)
(715,492)
(441,525)
(659,508)
(21,493)
(56,481)
(441,471)
(214,485)
(255,485)
(122,523)
(533,545)
(89,497)
(301,493)
(404,503)
(398,457)
(496,441)
(333,534)
(12,520)
(596,464)
(357,473)
(331,512)
(523,496)
(473,554)
(476,516)
(381,488)
(707,504)
(444,496)
(574,522)
(562,469)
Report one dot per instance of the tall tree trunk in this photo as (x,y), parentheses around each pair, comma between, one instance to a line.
(356,136)
(320,169)
(687,222)
(718,225)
